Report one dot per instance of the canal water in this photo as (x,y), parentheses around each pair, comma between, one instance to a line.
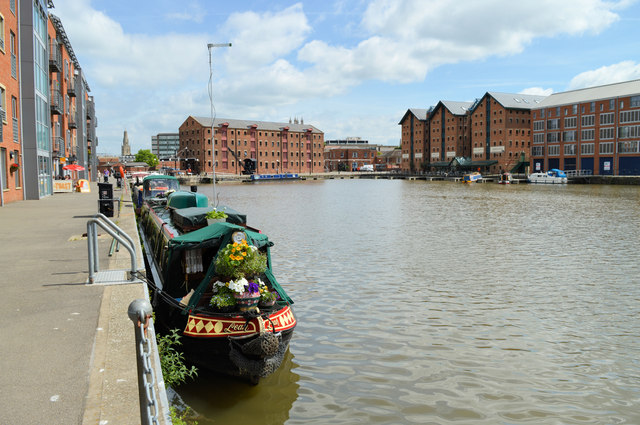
(441,303)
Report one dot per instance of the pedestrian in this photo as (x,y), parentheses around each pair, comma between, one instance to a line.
(106,176)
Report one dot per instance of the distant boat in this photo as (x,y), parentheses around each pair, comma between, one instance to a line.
(472,177)
(267,177)
(505,178)
(553,176)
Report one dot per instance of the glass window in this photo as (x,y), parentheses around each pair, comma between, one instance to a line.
(3,168)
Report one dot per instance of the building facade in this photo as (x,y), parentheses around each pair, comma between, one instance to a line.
(45,103)
(271,147)
(450,133)
(165,145)
(414,141)
(348,156)
(11,157)
(595,129)
(501,131)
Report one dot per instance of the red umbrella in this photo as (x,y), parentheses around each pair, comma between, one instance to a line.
(73,167)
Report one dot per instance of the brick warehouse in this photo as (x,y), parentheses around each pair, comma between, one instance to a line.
(501,131)
(272,147)
(596,129)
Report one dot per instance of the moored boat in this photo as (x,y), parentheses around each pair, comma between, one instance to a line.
(268,177)
(505,178)
(472,177)
(207,280)
(553,176)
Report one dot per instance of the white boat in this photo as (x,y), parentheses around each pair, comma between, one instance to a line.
(553,176)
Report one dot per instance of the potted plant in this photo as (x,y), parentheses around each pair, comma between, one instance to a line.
(236,264)
(215,216)
(14,167)
(267,298)
(223,300)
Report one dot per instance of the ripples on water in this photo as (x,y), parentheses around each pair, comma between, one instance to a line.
(439,303)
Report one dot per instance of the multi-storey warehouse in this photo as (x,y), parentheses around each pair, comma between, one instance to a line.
(270,147)
(501,131)
(595,129)
(414,140)
(449,132)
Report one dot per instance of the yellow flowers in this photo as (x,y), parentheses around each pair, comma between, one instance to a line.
(238,251)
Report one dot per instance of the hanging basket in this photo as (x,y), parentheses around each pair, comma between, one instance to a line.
(14,167)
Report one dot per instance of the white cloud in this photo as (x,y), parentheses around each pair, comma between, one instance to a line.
(150,83)
(616,73)
(538,91)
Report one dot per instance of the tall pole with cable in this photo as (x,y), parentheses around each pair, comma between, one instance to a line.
(213,117)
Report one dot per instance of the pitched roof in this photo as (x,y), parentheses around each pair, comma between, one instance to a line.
(590,94)
(420,113)
(517,100)
(457,108)
(262,125)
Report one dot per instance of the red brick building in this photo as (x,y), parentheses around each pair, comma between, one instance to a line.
(11,163)
(272,147)
(414,142)
(595,129)
(348,157)
(450,131)
(501,131)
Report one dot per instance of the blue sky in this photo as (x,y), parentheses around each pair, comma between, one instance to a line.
(350,68)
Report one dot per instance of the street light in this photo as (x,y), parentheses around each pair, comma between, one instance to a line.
(213,116)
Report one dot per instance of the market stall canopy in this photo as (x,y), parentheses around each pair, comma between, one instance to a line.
(73,167)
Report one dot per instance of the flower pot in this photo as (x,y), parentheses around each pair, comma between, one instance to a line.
(266,304)
(247,300)
(210,221)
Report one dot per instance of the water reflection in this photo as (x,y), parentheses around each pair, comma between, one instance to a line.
(439,302)
(222,400)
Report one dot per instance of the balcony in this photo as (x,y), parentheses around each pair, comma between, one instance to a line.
(55,57)
(57,143)
(71,87)
(56,103)
(71,120)
(91,109)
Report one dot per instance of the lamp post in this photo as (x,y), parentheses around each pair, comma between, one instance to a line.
(213,116)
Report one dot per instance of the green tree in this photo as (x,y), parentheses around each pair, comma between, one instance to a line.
(145,155)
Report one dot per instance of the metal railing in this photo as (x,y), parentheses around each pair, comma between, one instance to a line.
(140,312)
(578,173)
(117,233)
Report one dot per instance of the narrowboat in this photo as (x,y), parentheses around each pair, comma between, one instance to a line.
(553,176)
(472,177)
(230,322)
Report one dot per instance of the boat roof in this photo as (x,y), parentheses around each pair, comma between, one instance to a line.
(159,176)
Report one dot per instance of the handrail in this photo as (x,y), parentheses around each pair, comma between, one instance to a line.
(92,244)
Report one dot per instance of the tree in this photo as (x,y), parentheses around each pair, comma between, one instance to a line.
(145,155)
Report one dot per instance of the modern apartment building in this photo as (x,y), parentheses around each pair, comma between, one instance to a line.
(596,129)
(48,119)
(414,141)
(11,159)
(501,131)
(165,145)
(272,147)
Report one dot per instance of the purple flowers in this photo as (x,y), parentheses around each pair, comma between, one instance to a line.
(252,287)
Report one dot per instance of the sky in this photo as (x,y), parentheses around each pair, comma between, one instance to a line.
(349,68)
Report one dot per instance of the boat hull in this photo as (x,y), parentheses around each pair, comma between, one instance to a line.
(249,346)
